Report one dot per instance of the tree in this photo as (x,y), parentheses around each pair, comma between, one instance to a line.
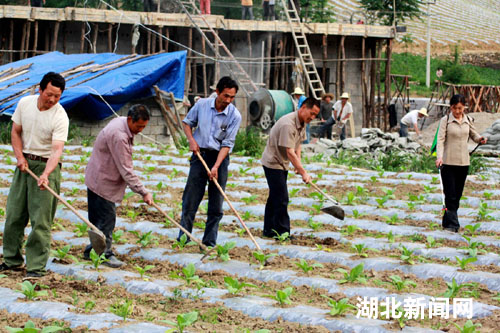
(317,11)
(383,10)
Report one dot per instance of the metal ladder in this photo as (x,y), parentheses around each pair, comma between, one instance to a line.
(303,49)
(220,49)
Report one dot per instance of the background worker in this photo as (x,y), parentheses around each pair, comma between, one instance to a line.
(453,158)
(283,147)
(411,119)
(217,122)
(109,171)
(205,7)
(246,9)
(39,131)
(342,110)
(325,113)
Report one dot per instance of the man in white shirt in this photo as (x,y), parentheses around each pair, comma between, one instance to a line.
(411,119)
(39,131)
(342,110)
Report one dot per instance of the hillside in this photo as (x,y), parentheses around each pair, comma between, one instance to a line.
(473,23)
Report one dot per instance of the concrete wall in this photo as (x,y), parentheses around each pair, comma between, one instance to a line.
(155,129)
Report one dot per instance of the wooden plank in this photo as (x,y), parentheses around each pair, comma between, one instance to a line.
(55,35)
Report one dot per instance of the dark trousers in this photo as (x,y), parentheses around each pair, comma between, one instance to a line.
(403,130)
(453,177)
(194,191)
(276,213)
(326,128)
(102,214)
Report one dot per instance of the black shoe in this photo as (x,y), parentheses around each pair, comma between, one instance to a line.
(4,267)
(451,229)
(32,276)
(86,256)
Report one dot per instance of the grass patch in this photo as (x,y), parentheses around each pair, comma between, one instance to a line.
(249,142)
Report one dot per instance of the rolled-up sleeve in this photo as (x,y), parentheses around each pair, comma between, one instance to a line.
(232,130)
(121,151)
(191,118)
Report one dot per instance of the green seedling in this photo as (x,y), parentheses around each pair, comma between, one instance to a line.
(234,286)
(473,247)
(454,288)
(243,171)
(76,167)
(123,310)
(315,226)
(318,196)
(462,263)
(350,229)
(361,250)
(389,193)
(401,284)
(429,189)
(354,275)
(373,179)
(407,255)
(293,192)
(249,200)
(223,250)
(431,242)
(29,327)
(126,197)
(89,305)
(262,258)
(182,242)
(361,191)
(417,237)
(81,229)
(200,225)
(240,232)
(469,327)
(146,238)
(318,157)
(189,275)
(411,205)
(381,201)
(483,212)
(390,237)
(61,253)
(394,219)
(28,290)
(433,225)
(474,291)
(316,208)
(132,214)
(472,229)
(247,215)
(416,198)
(142,271)
(338,308)
(306,268)
(350,199)
(283,296)
(183,320)
(356,214)
(173,174)
(320,247)
(96,259)
(496,297)
(487,195)
(117,236)
(73,192)
(281,238)
(231,185)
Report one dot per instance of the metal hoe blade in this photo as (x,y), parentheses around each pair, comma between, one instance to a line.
(97,241)
(335,211)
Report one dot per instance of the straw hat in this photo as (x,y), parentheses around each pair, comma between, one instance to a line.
(345,95)
(325,95)
(298,91)
(423,111)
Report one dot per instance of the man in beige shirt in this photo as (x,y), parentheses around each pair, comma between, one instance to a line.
(283,147)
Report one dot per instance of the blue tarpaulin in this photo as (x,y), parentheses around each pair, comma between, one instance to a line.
(117,86)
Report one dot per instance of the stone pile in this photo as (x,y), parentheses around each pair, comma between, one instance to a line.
(372,140)
(492,147)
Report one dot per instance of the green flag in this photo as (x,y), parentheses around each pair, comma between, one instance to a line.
(434,143)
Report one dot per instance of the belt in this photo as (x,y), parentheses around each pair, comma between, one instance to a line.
(207,150)
(35,157)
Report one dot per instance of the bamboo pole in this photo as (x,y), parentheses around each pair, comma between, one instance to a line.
(379,51)
(204,63)
(65,37)
(187,82)
(387,93)
(167,34)
(343,65)
(35,39)
(82,37)
(363,83)
(160,40)
(23,40)
(28,33)
(95,32)
(110,37)
(54,36)
(268,53)
(11,39)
